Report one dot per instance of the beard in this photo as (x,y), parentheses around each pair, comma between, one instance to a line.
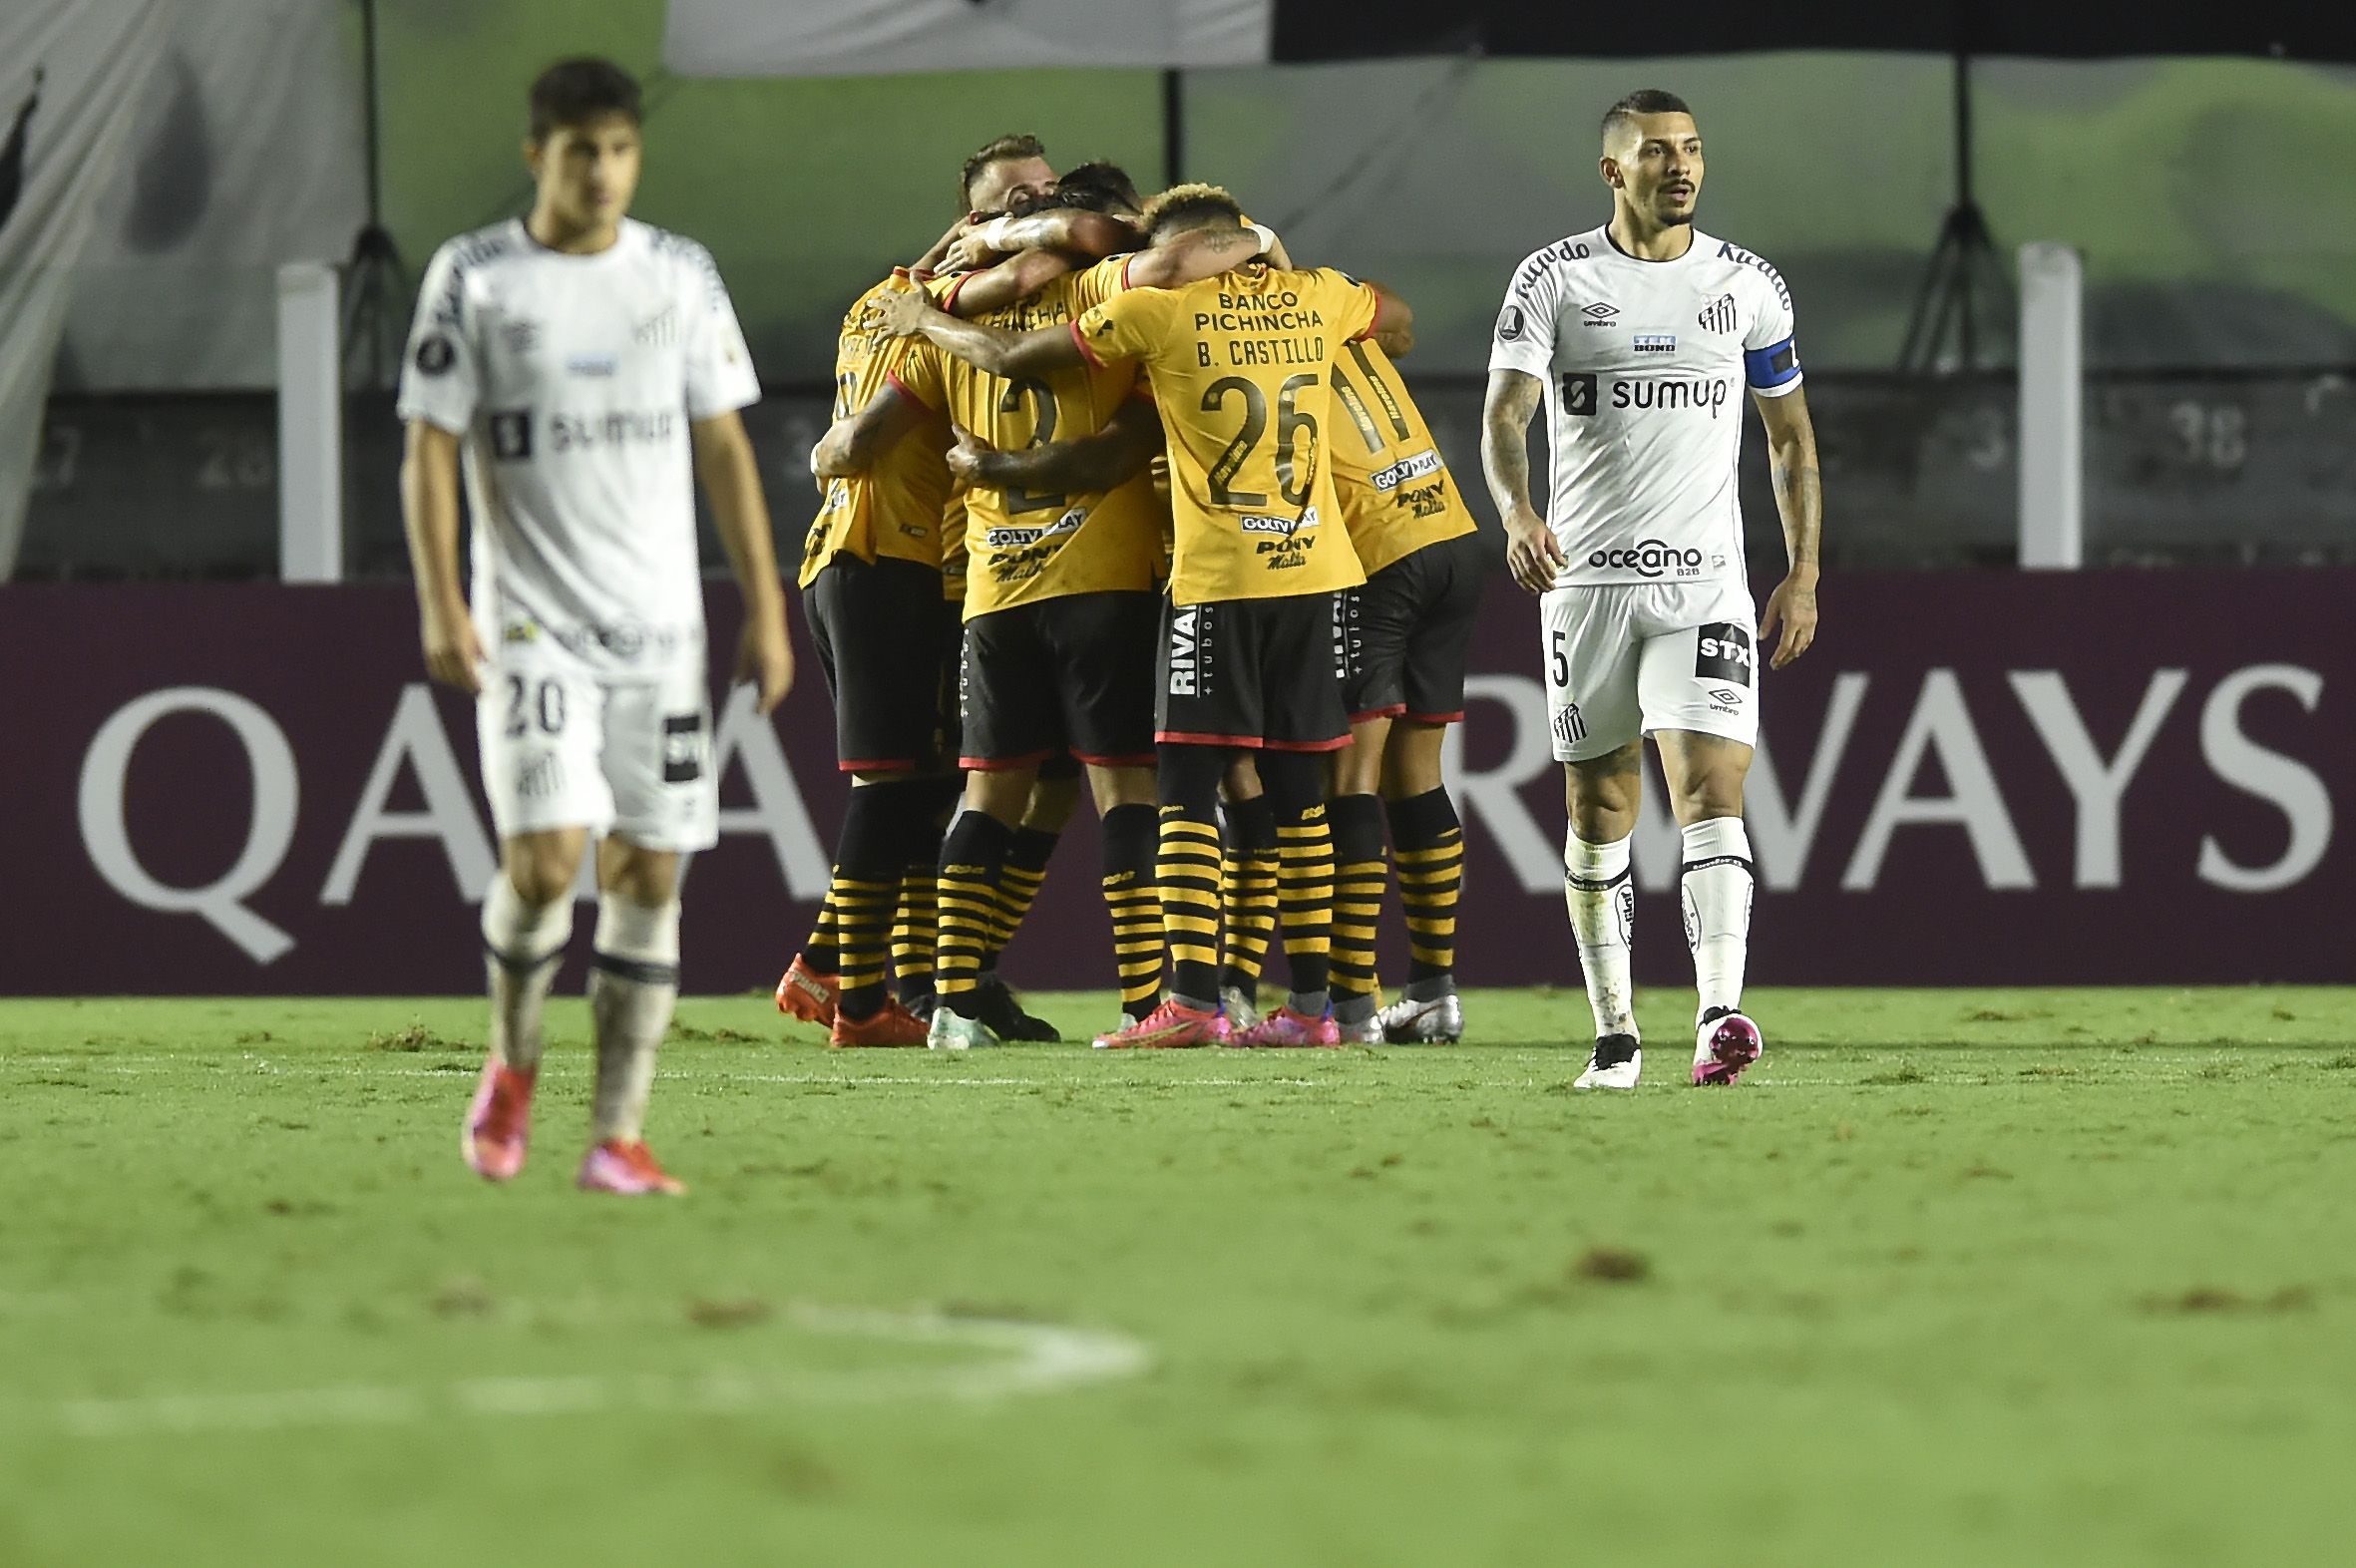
(1677,220)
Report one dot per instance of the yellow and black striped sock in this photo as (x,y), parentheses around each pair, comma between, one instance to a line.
(1135,899)
(1021,876)
(822,952)
(1431,851)
(1188,873)
(970,862)
(916,928)
(1305,902)
(1247,891)
(876,837)
(1361,876)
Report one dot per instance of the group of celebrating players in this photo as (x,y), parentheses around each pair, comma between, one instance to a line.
(1115,491)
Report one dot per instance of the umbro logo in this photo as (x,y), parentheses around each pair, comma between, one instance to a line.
(521,334)
(1599,313)
(1719,314)
(1725,694)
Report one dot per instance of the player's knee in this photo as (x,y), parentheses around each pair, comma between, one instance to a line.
(541,867)
(1711,795)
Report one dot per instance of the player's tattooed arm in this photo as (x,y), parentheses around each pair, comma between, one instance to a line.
(851,444)
(1017,277)
(731,477)
(1532,552)
(1191,257)
(429,514)
(936,257)
(1800,499)
(1089,466)
(1394,326)
(994,350)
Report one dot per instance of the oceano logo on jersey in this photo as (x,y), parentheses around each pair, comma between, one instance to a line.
(1649,558)
(1423,463)
(1710,393)
(1017,538)
(1257,523)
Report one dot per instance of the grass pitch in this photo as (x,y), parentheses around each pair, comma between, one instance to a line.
(1953,1276)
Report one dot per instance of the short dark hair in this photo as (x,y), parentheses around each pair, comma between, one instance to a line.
(1192,207)
(1099,186)
(1644,101)
(575,91)
(996,151)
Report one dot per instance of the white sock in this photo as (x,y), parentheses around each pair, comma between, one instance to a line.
(632,987)
(1717,887)
(524,946)
(1602,900)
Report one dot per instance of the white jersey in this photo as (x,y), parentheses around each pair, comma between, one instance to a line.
(573,380)
(1645,363)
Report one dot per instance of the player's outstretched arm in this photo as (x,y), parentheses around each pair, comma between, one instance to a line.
(1532,554)
(1081,236)
(1089,466)
(732,478)
(1019,277)
(851,444)
(1394,326)
(1800,499)
(429,514)
(994,350)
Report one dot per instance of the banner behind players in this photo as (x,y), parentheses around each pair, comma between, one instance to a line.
(1976,779)
(71,73)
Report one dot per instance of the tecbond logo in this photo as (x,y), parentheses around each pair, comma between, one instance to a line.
(1649,558)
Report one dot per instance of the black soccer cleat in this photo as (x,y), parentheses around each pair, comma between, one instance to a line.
(1003,1016)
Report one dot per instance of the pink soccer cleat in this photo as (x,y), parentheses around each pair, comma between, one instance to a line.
(626,1168)
(498,1122)
(1284,1027)
(1171,1027)
(1724,1044)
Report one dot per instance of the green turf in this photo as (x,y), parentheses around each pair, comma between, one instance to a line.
(2019,1277)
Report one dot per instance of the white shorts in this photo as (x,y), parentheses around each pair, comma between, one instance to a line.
(1629,660)
(566,748)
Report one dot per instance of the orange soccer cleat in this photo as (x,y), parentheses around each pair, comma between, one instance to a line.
(627,1169)
(893,1024)
(807,994)
(1285,1027)
(498,1122)
(1171,1027)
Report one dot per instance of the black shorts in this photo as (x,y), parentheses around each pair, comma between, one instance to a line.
(1407,632)
(1067,675)
(877,629)
(1259,672)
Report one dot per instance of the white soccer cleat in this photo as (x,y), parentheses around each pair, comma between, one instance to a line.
(952,1031)
(1614,1065)
(1241,1007)
(1439,1021)
(1724,1044)
(1365,1031)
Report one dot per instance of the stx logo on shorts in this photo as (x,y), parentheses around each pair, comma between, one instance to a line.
(1569,729)
(1651,559)
(1721,651)
(682,748)
(1183,643)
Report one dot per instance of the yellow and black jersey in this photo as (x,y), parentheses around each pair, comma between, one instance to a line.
(894,509)
(1023,547)
(1396,493)
(952,545)
(1241,365)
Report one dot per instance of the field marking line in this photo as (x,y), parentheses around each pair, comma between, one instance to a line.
(1022,1359)
(145,1066)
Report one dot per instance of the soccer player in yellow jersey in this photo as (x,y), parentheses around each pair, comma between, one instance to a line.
(1407,632)
(872,570)
(1238,364)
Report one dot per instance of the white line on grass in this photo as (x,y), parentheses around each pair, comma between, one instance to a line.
(1026,1357)
(144,1066)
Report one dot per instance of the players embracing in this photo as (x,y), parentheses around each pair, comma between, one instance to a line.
(1639,337)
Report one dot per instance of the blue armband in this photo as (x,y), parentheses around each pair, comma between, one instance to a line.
(1766,368)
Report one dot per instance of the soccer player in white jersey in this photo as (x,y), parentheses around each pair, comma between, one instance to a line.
(586,370)
(1640,338)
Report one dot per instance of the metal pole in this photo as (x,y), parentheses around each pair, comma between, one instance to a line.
(1173,126)
(2053,415)
(310,425)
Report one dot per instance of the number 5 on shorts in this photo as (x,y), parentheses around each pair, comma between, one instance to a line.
(1558,659)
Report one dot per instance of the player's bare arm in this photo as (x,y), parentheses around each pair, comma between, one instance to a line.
(1800,499)
(1091,464)
(1016,279)
(429,513)
(1532,552)
(1395,322)
(726,464)
(851,444)
(936,257)
(994,350)
(1075,232)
